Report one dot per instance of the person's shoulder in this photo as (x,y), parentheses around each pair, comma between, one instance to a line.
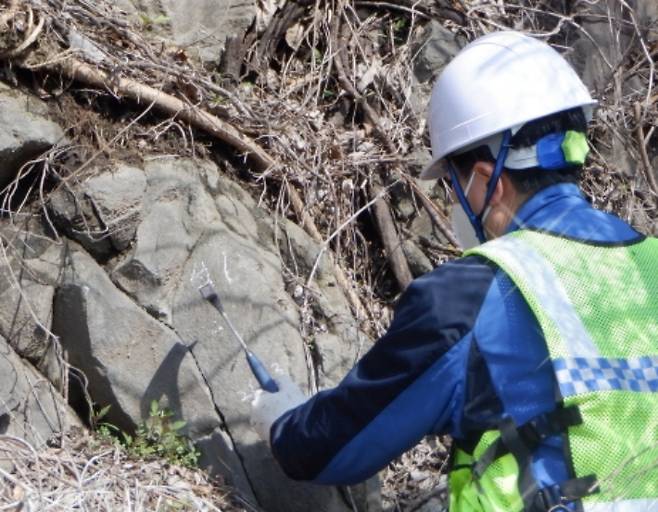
(468,271)
(454,289)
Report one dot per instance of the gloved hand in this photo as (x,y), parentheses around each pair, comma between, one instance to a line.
(267,407)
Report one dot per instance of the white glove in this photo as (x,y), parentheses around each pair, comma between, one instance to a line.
(267,407)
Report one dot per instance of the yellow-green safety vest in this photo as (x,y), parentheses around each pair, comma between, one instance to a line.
(597,306)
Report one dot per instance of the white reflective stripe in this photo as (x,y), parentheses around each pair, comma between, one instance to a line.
(639,505)
(538,274)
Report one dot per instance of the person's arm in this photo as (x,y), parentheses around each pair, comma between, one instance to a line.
(409,384)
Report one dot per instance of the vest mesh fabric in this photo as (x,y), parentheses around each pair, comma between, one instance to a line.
(598,310)
(495,491)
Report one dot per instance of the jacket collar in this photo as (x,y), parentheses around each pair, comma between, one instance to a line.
(562,209)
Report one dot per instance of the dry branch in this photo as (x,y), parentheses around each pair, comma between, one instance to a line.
(391,240)
(646,163)
(385,221)
(178,109)
(91,474)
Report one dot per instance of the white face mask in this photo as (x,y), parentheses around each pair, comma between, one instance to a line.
(461,225)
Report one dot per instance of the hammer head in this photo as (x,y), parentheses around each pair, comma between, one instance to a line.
(208,292)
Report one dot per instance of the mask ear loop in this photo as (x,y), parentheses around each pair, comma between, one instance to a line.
(461,196)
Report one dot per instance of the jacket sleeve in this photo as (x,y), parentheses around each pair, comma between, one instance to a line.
(408,385)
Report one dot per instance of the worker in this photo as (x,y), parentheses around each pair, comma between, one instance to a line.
(537,351)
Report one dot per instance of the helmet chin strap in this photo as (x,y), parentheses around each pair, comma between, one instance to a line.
(477,221)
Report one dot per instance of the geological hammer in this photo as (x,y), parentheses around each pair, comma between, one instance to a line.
(263,377)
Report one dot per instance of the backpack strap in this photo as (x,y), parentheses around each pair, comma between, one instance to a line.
(520,442)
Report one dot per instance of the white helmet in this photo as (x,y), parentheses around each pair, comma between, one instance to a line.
(496,83)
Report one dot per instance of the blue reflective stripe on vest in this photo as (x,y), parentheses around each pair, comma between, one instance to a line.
(583,374)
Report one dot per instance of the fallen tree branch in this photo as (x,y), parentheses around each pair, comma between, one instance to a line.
(168,104)
(394,252)
(435,215)
(30,39)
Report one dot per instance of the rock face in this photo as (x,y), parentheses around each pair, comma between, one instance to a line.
(30,408)
(24,131)
(201,26)
(26,295)
(337,338)
(138,328)
(131,359)
(437,47)
(104,219)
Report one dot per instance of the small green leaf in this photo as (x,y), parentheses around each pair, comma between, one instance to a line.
(161,20)
(109,427)
(177,425)
(103,412)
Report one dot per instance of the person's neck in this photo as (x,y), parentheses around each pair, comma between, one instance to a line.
(502,215)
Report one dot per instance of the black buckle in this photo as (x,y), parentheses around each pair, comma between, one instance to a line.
(538,429)
(550,500)
(556,497)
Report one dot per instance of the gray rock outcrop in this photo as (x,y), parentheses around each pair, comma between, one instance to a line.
(596,57)
(103,219)
(134,322)
(437,47)
(29,271)
(30,408)
(199,26)
(131,359)
(25,131)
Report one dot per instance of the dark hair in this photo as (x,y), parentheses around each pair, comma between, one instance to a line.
(533,179)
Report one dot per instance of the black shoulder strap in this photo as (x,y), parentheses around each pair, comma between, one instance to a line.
(532,433)
(511,438)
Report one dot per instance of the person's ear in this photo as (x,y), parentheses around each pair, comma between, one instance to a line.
(486,169)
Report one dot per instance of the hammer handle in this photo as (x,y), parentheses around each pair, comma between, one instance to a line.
(260,372)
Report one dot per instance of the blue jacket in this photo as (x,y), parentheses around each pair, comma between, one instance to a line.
(462,350)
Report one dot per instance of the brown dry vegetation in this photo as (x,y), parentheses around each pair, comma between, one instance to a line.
(81,472)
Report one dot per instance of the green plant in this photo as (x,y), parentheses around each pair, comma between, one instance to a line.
(400,29)
(149,22)
(160,436)
(103,428)
(399,25)
(317,56)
